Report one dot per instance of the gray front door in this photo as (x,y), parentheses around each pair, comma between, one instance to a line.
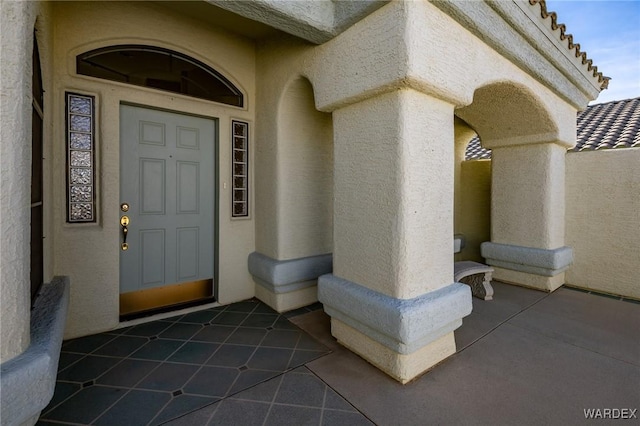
(167,180)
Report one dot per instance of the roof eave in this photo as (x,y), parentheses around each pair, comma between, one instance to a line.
(517,30)
(316,21)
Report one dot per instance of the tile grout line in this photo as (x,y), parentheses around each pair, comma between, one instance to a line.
(139,381)
(255,349)
(526,308)
(163,362)
(273,400)
(223,398)
(328,386)
(324,403)
(194,373)
(130,389)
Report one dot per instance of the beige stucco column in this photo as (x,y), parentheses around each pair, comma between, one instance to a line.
(16,44)
(391,296)
(528,214)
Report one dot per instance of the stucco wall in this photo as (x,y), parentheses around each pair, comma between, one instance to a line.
(305,175)
(89,254)
(281,61)
(603,217)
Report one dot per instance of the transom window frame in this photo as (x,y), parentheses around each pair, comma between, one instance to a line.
(173,54)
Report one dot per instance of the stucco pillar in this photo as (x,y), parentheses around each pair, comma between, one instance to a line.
(391,296)
(528,215)
(16,44)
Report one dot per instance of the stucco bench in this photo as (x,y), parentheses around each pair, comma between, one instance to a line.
(28,380)
(477,276)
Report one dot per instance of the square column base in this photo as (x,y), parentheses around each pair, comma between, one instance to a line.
(284,302)
(523,279)
(402,368)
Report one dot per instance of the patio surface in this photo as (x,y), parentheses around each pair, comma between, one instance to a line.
(526,357)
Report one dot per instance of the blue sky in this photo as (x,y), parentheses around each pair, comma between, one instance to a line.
(609,31)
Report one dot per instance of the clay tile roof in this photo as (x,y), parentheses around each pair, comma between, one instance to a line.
(609,125)
(604,81)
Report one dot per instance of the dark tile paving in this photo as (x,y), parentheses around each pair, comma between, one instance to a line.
(297,397)
(151,373)
(527,357)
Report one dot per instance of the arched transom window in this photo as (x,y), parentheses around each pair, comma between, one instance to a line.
(159,68)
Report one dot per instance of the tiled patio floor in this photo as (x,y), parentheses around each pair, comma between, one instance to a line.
(154,372)
(525,357)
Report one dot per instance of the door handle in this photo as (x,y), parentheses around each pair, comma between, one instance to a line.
(124,223)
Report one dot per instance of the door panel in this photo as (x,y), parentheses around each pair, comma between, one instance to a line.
(167,170)
(152,186)
(188,247)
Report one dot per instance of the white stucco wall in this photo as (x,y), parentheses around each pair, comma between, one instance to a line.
(280,61)
(603,217)
(89,254)
(305,175)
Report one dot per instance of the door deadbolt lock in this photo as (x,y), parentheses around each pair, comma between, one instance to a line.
(124,207)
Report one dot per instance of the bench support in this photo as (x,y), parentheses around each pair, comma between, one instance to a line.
(477,276)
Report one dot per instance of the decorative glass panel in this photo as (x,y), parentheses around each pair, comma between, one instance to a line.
(80,123)
(81,206)
(80,106)
(81,193)
(81,212)
(80,141)
(81,158)
(80,176)
(240,166)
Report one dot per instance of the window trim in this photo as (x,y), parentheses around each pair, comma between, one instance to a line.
(244,138)
(213,73)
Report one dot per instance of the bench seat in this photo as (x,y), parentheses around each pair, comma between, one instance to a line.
(477,276)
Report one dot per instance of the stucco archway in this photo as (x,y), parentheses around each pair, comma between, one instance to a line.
(472,196)
(300,240)
(527,183)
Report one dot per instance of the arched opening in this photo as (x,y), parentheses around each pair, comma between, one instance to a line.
(506,111)
(526,176)
(161,69)
(472,193)
(305,161)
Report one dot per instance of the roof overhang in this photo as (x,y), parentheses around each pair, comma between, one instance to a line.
(524,33)
(316,21)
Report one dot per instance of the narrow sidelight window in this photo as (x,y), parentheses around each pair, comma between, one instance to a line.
(240,169)
(81,206)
